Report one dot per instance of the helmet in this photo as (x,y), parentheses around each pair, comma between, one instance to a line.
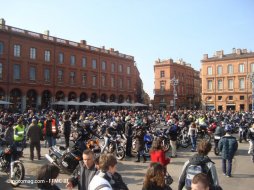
(228,128)
(113,124)
(128,118)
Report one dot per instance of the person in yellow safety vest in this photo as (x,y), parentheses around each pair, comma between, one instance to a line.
(19,136)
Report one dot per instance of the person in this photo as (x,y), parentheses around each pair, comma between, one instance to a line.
(84,172)
(116,177)
(200,182)
(66,129)
(103,179)
(139,136)
(173,133)
(157,154)
(48,173)
(50,130)
(128,134)
(250,137)
(227,146)
(154,178)
(193,136)
(34,134)
(199,161)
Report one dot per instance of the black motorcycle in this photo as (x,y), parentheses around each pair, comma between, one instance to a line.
(6,152)
(115,147)
(66,160)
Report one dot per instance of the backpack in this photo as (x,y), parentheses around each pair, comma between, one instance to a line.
(193,170)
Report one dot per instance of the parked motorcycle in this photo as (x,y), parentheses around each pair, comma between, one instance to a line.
(216,143)
(5,162)
(115,147)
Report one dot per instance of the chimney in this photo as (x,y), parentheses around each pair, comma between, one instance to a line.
(111,49)
(2,21)
(238,51)
(46,32)
(219,54)
(102,47)
(205,56)
(233,50)
(83,42)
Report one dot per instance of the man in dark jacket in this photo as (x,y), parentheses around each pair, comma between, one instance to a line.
(128,134)
(67,130)
(34,134)
(140,144)
(50,130)
(84,172)
(227,146)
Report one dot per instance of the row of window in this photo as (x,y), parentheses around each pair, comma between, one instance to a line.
(230,84)
(230,69)
(72,77)
(47,56)
(230,98)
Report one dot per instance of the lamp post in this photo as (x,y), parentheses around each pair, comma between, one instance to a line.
(251,77)
(174,83)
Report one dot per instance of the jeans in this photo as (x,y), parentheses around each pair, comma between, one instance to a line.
(193,142)
(51,141)
(227,169)
(173,146)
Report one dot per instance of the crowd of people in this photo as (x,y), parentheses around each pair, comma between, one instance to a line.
(94,173)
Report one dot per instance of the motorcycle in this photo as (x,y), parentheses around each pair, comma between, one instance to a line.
(115,147)
(216,142)
(66,160)
(203,133)
(5,162)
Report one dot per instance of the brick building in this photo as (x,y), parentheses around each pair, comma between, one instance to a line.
(225,81)
(187,90)
(38,69)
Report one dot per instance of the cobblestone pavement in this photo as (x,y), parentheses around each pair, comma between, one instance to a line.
(133,173)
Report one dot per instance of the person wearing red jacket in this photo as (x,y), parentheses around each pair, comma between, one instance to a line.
(157,154)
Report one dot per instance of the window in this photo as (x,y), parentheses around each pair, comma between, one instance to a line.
(210,85)
(83,62)
(112,82)
(46,75)
(219,97)
(120,68)
(230,98)
(230,84)
(60,58)
(162,74)
(103,80)
(162,100)
(94,81)
(32,53)
(230,69)
(60,75)
(1,71)
(113,67)
(128,70)
(1,48)
(72,77)
(219,71)
(17,50)
(73,60)
(103,65)
(162,86)
(241,68)
(94,64)
(120,83)
(241,97)
(241,83)
(32,73)
(252,67)
(209,70)
(84,79)
(220,84)
(47,56)
(16,72)
(128,83)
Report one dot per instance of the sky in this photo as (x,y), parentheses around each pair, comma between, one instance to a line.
(145,29)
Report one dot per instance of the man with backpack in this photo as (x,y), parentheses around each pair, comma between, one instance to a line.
(199,163)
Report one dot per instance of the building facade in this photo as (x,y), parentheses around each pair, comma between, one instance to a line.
(187,84)
(226,83)
(38,69)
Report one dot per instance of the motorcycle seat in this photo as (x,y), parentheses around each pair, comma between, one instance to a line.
(62,148)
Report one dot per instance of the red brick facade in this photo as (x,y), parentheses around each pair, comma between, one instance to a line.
(36,77)
(186,91)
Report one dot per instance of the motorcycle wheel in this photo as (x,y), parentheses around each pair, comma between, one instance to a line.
(216,151)
(19,174)
(120,153)
(207,137)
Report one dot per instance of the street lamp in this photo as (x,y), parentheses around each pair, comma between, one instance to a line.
(251,77)
(174,83)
